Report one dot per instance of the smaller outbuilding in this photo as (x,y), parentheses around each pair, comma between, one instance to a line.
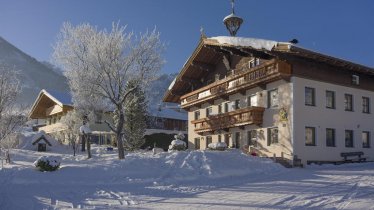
(41,141)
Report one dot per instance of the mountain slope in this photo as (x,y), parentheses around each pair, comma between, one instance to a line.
(34,75)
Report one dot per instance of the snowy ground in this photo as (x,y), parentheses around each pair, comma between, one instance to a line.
(182,180)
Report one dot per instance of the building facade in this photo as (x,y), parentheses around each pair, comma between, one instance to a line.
(51,106)
(278,98)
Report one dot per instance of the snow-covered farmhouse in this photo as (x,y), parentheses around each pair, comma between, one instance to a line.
(50,106)
(276,97)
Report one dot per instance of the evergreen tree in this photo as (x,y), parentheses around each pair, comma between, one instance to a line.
(135,115)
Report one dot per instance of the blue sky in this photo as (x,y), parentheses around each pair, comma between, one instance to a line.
(341,28)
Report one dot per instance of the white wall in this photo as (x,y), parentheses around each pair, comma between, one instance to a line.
(321,118)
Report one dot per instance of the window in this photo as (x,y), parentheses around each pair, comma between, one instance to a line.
(197,115)
(310,136)
(348,102)
(252,100)
(219,108)
(237,104)
(272,136)
(208,140)
(99,117)
(237,140)
(366,139)
(197,143)
(330,137)
(252,138)
(330,99)
(219,138)
(254,62)
(209,111)
(355,79)
(365,105)
(310,96)
(226,107)
(273,98)
(348,138)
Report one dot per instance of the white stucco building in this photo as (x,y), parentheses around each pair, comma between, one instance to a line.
(276,97)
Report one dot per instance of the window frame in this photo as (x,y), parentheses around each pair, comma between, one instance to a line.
(270,105)
(314,142)
(333,105)
(208,111)
(333,137)
(368,139)
(367,106)
(352,139)
(346,102)
(313,100)
(270,140)
(197,115)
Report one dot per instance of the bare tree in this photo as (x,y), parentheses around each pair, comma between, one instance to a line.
(72,121)
(99,63)
(11,118)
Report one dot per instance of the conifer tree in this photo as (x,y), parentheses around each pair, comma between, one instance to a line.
(135,115)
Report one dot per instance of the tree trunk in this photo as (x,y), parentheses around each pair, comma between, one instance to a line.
(121,121)
(83,143)
(7,157)
(88,146)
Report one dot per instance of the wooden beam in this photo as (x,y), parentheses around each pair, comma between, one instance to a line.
(203,66)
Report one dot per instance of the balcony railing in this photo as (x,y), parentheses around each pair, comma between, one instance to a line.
(242,80)
(240,117)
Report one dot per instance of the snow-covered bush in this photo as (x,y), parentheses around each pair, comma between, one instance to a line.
(47,163)
(217,146)
(177,145)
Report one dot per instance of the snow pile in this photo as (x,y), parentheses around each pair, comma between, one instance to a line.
(217,146)
(246,42)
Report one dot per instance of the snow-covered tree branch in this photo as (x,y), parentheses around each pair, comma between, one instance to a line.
(99,63)
(11,117)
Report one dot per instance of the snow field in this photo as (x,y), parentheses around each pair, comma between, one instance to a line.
(181,180)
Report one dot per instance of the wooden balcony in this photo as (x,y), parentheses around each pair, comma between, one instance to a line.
(224,121)
(239,81)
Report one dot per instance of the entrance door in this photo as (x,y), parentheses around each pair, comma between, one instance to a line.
(197,143)
(227,140)
(237,140)
(42,147)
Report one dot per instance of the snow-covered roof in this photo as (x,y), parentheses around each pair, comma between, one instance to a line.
(259,44)
(169,113)
(64,98)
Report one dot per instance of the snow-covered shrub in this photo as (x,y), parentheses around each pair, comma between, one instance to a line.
(217,146)
(179,136)
(47,163)
(177,145)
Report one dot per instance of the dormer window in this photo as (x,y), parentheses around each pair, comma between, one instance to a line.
(355,80)
(254,62)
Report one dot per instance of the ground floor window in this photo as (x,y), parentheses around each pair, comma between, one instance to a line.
(330,137)
(219,138)
(208,140)
(197,143)
(252,138)
(348,138)
(272,136)
(310,136)
(366,139)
